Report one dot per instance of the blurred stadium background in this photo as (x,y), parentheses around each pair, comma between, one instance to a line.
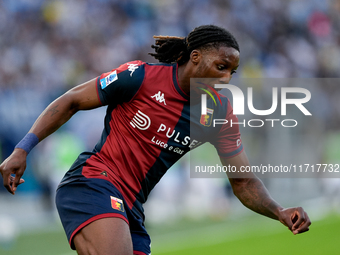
(47,47)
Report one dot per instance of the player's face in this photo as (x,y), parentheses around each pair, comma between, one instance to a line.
(217,64)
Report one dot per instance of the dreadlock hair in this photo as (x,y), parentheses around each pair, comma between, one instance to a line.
(170,49)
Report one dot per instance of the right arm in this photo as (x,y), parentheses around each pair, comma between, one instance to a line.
(81,97)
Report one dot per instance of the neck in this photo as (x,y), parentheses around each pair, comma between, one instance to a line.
(184,78)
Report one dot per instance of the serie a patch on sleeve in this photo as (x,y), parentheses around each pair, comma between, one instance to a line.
(108,79)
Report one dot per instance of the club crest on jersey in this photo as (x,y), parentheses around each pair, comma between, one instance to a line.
(117,204)
(107,80)
(206,119)
(159,97)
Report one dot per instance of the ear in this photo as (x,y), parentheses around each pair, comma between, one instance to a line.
(195,57)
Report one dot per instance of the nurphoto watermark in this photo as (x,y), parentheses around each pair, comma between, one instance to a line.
(278,122)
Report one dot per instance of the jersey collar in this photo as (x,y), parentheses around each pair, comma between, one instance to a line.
(175,80)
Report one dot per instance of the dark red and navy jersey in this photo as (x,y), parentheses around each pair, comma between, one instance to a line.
(148,128)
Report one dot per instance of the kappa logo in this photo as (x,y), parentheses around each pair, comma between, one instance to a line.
(140,121)
(132,68)
(159,97)
(117,204)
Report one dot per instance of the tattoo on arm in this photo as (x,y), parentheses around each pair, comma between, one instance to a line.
(53,111)
(255,197)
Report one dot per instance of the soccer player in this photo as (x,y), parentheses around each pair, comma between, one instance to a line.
(147,129)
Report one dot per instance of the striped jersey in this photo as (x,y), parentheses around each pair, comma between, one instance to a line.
(149,125)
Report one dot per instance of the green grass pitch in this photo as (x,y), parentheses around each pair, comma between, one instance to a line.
(250,235)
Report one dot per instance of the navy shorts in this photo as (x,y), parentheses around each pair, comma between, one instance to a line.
(85,200)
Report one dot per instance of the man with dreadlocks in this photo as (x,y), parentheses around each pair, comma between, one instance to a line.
(100,198)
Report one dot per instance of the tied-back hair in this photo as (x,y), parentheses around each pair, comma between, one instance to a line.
(171,49)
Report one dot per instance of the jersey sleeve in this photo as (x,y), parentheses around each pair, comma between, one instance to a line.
(121,84)
(228,140)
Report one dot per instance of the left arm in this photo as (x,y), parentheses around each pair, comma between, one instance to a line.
(253,194)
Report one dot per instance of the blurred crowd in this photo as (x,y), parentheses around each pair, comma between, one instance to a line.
(47,47)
